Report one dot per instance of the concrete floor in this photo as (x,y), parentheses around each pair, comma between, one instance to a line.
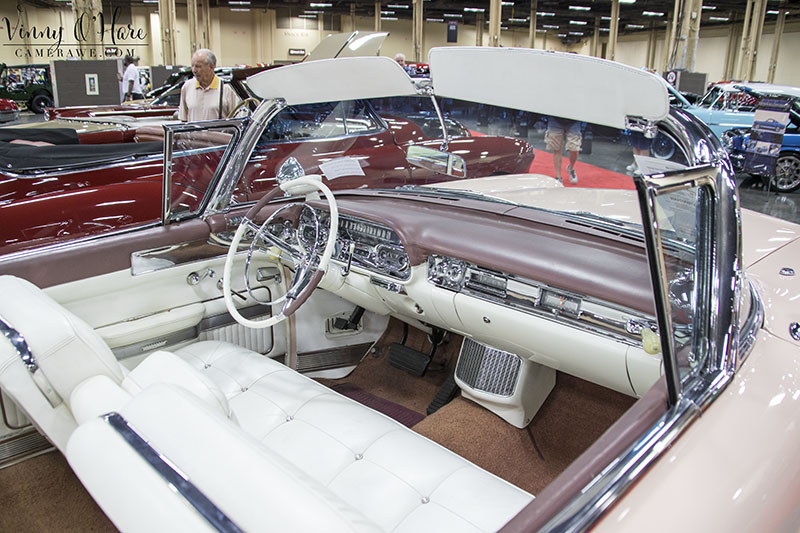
(608,152)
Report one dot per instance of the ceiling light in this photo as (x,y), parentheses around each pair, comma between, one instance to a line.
(710,8)
(397,6)
(320,4)
(513,19)
(240,9)
(388,18)
(313,12)
(605,29)
(387,12)
(580,8)
(605,18)
(627,1)
(550,26)
(576,33)
(503,27)
(545,14)
(634,26)
(652,13)
(304,16)
(562,34)
(452,15)
(434,20)
(773,12)
(719,19)
(474,9)
(239,2)
(578,22)
(507,3)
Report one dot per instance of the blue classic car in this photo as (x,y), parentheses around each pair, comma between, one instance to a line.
(732,105)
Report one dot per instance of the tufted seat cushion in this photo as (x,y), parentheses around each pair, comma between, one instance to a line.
(398,479)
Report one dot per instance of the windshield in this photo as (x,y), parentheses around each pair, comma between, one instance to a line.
(508,156)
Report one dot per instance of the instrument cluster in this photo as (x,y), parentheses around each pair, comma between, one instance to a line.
(359,242)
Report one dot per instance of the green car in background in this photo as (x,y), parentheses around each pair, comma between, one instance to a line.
(28,85)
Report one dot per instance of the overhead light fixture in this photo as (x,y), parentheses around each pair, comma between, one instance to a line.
(242,9)
(506,3)
(545,14)
(474,9)
(719,19)
(634,26)
(503,27)
(710,8)
(580,8)
(541,31)
(627,1)
(304,16)
(387,12)
(562,34)
(513,19)
(550,26)
(239,2)
(578,22)
(773,12)
(652,13)
(320,4)
(313,12)
(397,6)
(576,33)
(434,20)
(150,1)
(605,18)
(388,18)
(452,15)
(605,29)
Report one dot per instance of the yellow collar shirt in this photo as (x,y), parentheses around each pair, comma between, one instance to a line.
(198,103)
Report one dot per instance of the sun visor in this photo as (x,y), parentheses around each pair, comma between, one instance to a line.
(552,83)
(330,80)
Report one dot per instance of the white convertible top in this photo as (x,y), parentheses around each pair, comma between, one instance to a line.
(552,83)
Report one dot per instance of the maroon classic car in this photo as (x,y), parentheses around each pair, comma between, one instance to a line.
(68,190)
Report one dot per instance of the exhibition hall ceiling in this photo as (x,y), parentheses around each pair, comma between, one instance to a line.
(568,19)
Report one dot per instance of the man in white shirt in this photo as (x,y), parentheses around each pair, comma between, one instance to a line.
(131,87)
(205,97)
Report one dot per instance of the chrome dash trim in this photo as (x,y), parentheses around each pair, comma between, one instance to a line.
(20,345)
(753,323)
(169,473)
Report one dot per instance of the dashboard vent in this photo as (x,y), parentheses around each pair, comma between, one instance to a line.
(487,369)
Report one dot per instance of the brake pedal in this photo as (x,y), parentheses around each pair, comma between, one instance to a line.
(445,394)
(408,359)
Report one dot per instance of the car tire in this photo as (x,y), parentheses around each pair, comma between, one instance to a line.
(787,173)
(39,102)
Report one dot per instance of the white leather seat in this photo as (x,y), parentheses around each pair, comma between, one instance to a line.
(374,472)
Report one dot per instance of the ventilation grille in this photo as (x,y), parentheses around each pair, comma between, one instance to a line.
(22,446)
(258,340)
(487,369)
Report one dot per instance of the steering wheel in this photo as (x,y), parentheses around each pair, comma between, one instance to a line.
(308,272)
(245,102)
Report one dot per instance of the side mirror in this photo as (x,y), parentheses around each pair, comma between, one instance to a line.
(437,161)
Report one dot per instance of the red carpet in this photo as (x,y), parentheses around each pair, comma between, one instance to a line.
(405,416)
(589,176)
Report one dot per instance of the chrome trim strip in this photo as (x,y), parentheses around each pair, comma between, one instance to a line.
(20,345)
(169,473)
(155,259)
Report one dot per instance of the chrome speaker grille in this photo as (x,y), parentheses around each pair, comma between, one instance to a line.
(487,369)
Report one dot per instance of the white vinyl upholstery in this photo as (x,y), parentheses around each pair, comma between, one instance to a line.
(247,428)
(397,478)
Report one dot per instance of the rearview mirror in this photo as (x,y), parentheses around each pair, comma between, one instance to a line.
(437,161)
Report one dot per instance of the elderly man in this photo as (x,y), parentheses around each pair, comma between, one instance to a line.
(205,97)
(132,89)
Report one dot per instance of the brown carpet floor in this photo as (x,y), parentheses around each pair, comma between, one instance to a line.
(43,495)
(575,414)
